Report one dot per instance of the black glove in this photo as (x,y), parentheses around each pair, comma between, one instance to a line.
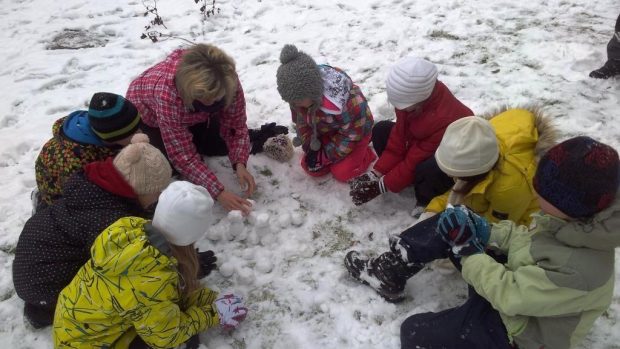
(193,342)
(258,137)
(364,191)
(206,261)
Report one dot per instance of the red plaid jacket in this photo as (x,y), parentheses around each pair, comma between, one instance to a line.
(155,95)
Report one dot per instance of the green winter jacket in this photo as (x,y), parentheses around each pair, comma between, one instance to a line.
(558,280)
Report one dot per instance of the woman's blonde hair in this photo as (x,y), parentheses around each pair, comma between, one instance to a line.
(188,266)
(206,72)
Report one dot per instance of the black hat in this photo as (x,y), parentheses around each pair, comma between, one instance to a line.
(112,117)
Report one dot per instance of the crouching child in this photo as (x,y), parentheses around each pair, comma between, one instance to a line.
(139,289)
(558,274)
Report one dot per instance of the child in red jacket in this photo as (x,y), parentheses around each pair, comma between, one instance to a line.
(424,108)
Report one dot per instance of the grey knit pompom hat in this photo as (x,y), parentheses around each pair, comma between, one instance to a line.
(298,77)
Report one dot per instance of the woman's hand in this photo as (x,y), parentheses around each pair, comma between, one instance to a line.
(246,180)
(232,201)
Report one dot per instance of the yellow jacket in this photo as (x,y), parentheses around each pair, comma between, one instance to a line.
(127,287)
(507,192)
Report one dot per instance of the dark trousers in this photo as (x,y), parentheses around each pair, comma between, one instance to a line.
(429,180)
(613,47)
(205,136)
(475,324)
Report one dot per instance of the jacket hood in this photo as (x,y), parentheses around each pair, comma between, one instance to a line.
(77,128)
(599,233)
(548,133)
(123,249)
(82,194)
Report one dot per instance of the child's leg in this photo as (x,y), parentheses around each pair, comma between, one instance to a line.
(380,135)
(388,273)
(206,137)
(473,325)
(613,48)
(430,181)
(612,66)
(320,173)
(356,163)
(422,243)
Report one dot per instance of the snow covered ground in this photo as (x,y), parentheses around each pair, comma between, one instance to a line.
(287,259)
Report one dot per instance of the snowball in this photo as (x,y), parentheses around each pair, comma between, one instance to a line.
(253,238)
(264,265)
(262,220)
(248,254)
(235,216)
(284,220)
(297,219)
(227,270)
(245,276)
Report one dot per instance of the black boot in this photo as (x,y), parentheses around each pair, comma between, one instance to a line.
(610,69)
(38,316)
(386,274)
(266,131)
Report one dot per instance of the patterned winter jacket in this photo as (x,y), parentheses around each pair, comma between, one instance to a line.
(61,156)
(155,95)
(343,119)
(416,136)
(130,286)
(558,280)
(507,192)
(55,242)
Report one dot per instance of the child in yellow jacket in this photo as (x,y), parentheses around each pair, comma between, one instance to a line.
(141,280)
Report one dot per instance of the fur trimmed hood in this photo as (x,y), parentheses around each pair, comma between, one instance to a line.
(548,133)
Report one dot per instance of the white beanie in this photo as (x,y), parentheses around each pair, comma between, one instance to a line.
(411,80)
(183,213)
(468,148)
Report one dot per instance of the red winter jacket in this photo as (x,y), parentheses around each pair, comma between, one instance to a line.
(416,136)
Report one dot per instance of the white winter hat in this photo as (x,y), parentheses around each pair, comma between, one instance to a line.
(468,148)
(183,213)
(411,80)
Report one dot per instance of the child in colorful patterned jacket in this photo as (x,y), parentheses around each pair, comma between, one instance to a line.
(330,113)
(81,138)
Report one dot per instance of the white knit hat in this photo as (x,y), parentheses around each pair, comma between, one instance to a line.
(468,148)
(411,80)
(183,213)
(143,166)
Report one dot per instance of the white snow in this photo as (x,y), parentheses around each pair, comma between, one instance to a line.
(289,263)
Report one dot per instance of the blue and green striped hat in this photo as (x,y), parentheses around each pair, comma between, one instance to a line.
(112,117)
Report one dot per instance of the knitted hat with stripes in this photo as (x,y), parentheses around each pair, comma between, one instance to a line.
(112,117)
(410,81)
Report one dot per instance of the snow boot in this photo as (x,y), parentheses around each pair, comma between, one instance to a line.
(38,316)
(258,137)
(610,69)
(387,274)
